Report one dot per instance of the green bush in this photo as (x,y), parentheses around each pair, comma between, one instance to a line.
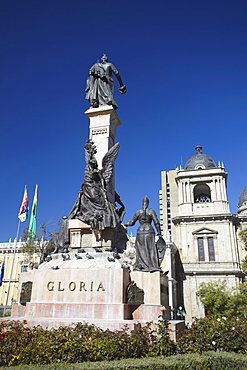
(207,361)
(214,334)
(227,361)
(13,336)
(219,299)
(80,343)
(87,343)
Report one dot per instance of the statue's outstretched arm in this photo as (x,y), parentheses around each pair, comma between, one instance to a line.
(122,87)
(133,221)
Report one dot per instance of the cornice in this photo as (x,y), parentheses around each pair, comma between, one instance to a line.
(204,218)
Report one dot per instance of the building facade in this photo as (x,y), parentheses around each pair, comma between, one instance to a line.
(194,210)
(15,262)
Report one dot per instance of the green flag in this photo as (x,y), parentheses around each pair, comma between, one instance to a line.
(33,219)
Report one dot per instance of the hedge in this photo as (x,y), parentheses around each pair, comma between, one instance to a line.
(207,361)
(82,343)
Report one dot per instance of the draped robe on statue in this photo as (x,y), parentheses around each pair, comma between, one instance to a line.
(92,205)
(146,251)
(100,85)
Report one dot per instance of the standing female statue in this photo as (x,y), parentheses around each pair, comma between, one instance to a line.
(146,251)
(100,84)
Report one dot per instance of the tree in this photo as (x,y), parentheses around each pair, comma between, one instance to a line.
(237,305)
(219,299)
(214,296)
(38,243)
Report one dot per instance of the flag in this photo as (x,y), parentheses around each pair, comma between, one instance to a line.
(33,218)
(1,274)
(23,212)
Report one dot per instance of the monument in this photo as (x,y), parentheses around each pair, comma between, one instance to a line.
(91,271)
(100,84)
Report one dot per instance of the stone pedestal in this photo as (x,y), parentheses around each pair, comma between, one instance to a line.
(91,290)
(86,293)
(81,236)
(103,123)
(155,286)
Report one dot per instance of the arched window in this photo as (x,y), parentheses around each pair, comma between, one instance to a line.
(202,193)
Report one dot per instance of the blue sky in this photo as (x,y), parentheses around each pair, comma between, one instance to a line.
(184,65)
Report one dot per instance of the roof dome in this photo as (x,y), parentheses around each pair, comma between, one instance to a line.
(199,160)
(243,197)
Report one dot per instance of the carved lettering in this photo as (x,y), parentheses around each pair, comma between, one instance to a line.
(100,287)
(72,286)
(50,286)
(99,131)
(82,286)
(60,289)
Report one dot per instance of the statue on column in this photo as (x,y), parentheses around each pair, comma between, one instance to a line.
(100,84)
(147,258)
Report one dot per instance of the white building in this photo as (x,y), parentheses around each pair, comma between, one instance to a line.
(194,209)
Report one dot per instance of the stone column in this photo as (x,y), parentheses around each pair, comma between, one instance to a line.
(168,257)
(214,193)
(103,123)
(189,193)
(220,188)
(180,193)
(224,189)
(75,235)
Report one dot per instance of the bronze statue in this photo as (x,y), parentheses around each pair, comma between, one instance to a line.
(92,205)
(100,84)
(146,251)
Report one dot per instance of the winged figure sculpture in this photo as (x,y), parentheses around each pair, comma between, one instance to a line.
(92,205)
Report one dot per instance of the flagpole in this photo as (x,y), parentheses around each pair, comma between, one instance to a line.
(18,229)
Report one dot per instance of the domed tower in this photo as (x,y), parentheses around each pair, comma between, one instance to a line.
(203,186)
(199,160)
(195,211)
(242,202)
(198,189)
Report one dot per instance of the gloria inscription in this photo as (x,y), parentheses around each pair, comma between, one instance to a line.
(72,286)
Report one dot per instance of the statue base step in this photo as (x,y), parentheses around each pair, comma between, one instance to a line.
(85,312)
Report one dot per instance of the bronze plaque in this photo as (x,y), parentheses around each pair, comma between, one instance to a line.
(135,295)
(26,291)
